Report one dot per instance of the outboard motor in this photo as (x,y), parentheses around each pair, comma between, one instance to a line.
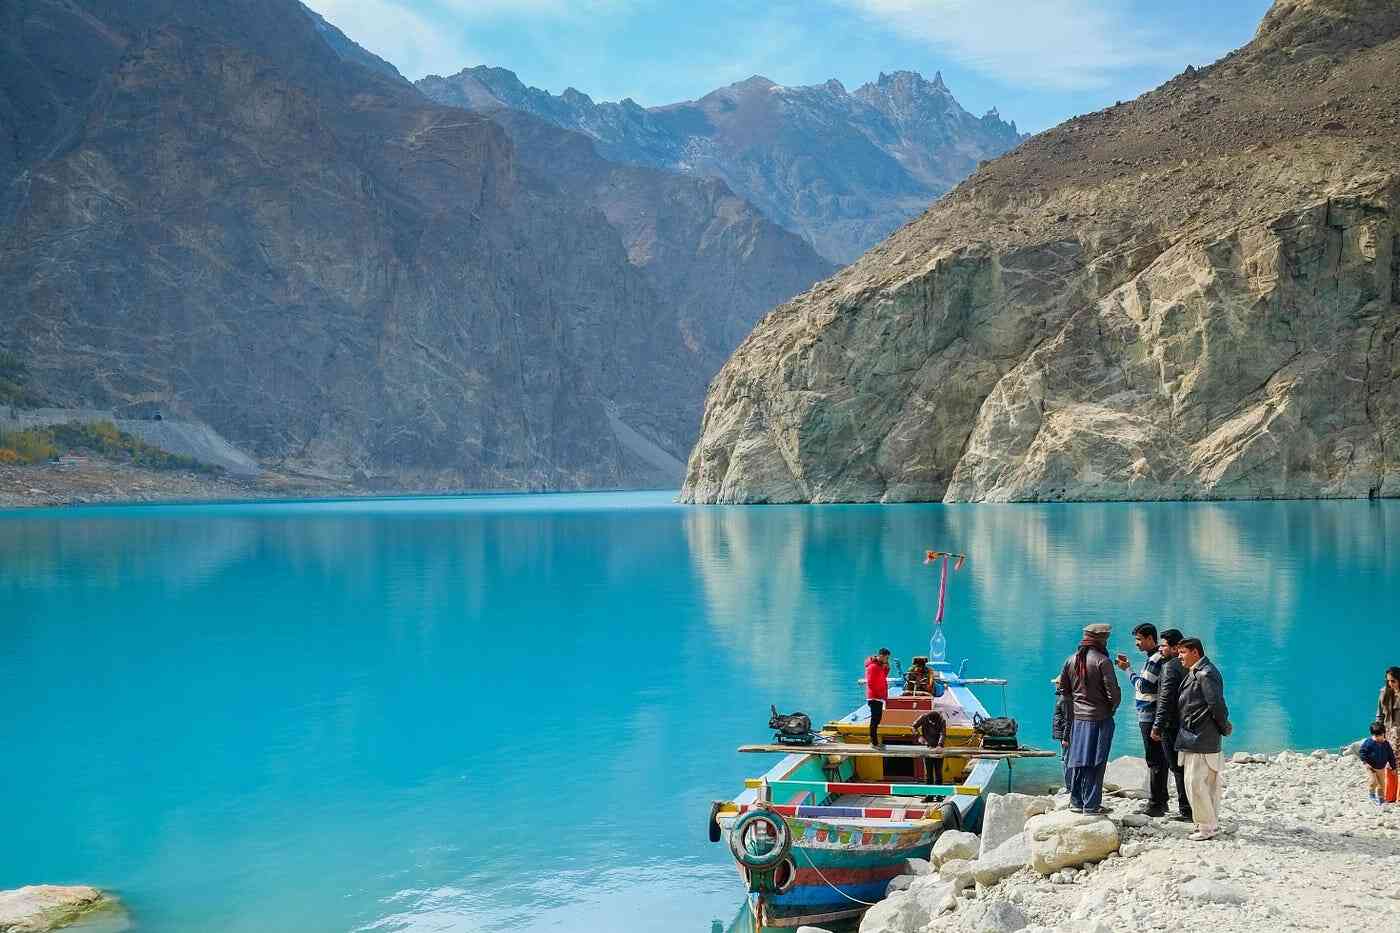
(791,728)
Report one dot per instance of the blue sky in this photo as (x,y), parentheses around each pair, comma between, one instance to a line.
(1037,61)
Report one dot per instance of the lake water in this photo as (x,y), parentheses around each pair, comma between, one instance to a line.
(511,713)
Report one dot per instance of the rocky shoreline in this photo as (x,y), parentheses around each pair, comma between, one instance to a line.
(37,908)
(94,481)
(1302,848)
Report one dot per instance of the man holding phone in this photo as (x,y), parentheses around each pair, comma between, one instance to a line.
(1145,684)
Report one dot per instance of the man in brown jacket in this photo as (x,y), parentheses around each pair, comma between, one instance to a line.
(1094,696)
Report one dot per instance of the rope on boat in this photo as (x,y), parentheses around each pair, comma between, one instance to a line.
(813,865)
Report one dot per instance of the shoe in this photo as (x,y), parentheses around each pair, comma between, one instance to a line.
(1098,811)
(1202,836)
(1181,818)
(1076,809)
(1153,811)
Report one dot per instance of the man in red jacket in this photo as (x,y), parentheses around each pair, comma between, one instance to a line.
(877,691)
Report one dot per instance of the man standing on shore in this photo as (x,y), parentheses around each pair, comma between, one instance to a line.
(1093,697)
(1145,684)
(1168,717)
(1205,719)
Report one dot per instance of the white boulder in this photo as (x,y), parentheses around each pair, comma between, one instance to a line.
(957,872)
(1128,777)
(956,845)
(897,913)
(899,883)
(917,866)
(37,908)
(1061,839)
(1007,859)
(994,917)
(1005,815)
(932,896)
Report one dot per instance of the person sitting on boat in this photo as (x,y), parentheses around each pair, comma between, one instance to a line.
(1377,755)
(1095,695)
(918,680)
(877,690)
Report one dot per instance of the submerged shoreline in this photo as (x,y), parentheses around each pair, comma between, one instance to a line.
(1302,848)
(98,482)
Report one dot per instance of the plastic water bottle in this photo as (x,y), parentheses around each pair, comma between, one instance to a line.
(937,645)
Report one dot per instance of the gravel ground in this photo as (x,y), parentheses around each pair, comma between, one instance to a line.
(1303,848)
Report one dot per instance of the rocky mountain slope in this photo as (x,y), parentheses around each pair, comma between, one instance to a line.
(233,212)
(841,169)
(1192,295)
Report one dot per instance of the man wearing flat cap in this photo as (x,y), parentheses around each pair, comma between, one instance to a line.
(1093,695)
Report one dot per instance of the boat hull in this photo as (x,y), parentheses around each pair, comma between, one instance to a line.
(841,868)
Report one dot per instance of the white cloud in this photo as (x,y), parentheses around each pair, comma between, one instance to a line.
(434,37)
(1059,44)
(398,33)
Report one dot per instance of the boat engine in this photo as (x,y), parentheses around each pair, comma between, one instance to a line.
(792,728)
(997,732)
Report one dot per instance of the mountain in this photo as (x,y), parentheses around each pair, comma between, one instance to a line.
(233,212)
(841,169)
(1195,294)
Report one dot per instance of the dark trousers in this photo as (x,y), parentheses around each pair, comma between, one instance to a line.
(877,712)
(1156,767)
(1086,786)
(1183,803)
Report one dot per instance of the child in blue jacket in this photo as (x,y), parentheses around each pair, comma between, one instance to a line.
(1377,755)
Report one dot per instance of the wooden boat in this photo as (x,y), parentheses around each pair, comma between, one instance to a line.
(818,837)
(853,813)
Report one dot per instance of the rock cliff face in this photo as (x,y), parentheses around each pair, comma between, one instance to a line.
(714,261)
(232,211)
(1192,295)
(841,169)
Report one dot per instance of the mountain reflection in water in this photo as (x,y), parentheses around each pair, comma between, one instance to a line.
(511,712)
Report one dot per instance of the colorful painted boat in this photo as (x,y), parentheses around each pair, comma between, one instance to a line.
(822,832)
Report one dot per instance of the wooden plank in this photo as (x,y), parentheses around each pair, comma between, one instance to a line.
(781,789)
(786,922)
(838,812)
(897,751)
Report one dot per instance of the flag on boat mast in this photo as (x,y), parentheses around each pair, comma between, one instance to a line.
(937,644)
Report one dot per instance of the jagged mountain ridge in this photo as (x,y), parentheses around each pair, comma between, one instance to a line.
(1195,294)
(841,169)
(237,214)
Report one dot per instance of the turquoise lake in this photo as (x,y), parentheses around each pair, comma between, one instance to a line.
(511,712)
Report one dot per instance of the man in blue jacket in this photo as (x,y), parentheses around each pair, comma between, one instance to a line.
(1145,683)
